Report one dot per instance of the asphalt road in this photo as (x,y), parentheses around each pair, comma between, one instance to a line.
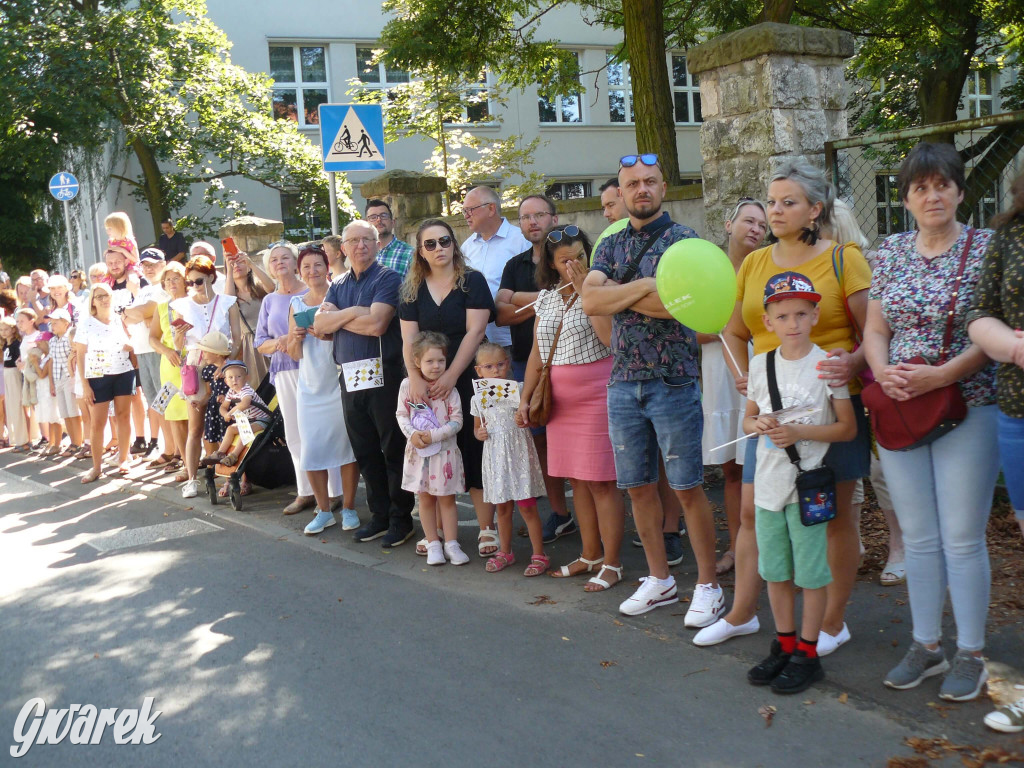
(261,647)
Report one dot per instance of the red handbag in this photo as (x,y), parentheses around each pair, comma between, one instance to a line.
(903,426)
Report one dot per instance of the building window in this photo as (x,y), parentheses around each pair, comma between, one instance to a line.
(892,216)
(375,73)
(685,93)
(300,82)
(476,102)
(986,208)
(620,92)
(979,94)
(569,190)
(561,109)
(303,221)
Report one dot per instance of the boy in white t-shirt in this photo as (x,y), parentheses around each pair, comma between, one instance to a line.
(790,554)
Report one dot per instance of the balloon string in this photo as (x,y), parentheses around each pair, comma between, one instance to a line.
(731,356)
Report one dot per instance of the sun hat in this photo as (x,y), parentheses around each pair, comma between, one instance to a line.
(215,343)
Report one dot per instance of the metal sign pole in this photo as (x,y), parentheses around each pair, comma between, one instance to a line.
(334,202)
(67,229)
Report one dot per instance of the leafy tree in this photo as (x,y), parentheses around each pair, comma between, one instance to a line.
(155,78)
(430,106)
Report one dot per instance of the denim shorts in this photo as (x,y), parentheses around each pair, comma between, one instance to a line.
(645,417)
(849,461)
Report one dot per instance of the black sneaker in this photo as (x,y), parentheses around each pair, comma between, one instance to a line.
(558,525)
(153,445)
(372,530)
(673,548)
(769,669)
(139,447)
(638,543)
(798,675)
(396,536)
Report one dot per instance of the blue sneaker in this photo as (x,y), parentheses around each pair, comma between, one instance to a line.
(558,525)
(673,548)
(320,522)
(349,519)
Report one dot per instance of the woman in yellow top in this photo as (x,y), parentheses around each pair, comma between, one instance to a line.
(800,203)
(161,336)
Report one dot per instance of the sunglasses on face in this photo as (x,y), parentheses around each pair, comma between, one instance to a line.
(199,282)
(628,161)
(444,242)
(556,235)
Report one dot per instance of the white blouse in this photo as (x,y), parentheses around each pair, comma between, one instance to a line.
(211,316)
(578,343)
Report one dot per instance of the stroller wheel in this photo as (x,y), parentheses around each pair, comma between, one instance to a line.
(211,484)
(235,493)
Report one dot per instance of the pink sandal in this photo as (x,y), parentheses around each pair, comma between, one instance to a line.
(500,562)
(538,565)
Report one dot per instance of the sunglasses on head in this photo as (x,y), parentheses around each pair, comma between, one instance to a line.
(444,242)
(556,235)
(628,161)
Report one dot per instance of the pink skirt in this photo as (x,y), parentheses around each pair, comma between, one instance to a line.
(578,443)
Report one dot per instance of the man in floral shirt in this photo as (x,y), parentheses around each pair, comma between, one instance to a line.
(654,394)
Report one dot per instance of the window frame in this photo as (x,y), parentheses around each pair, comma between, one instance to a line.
(556,104)
(587,184)
(973,95)
(299,86)
(691,89)
(382,72)
(486,83)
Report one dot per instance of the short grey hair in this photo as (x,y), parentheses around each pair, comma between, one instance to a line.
(812,181)
(360,223)
(489,195)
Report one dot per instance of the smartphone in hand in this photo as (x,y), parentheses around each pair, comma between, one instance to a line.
(180,323)
(230,249)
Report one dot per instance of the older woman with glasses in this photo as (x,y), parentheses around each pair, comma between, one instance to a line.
(578,444)
(203,312)
(272,334)
(442,294)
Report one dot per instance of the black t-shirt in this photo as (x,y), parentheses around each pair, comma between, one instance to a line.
(520,274)
(12,352)
(172,246)
(450,317)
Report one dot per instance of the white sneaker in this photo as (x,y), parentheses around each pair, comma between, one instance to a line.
(722,630)
(653,593)
(707,605)
(435,553)
(454,553)
(828,643)
(190,489)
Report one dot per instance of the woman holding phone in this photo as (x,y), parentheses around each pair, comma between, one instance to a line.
(249,283)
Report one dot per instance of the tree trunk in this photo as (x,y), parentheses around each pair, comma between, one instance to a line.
(938,93)
(780,11)
(644,25)
(151,182)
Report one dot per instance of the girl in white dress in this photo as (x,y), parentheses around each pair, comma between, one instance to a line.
(511,469)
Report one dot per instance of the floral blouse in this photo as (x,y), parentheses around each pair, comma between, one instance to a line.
(915,293)
(1000,294)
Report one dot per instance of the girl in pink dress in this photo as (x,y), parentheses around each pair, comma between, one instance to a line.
(433,464)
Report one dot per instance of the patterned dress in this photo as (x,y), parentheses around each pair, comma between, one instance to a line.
(440,471)
(511,468)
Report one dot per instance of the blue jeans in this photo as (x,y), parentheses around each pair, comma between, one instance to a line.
(942,494)
(1011,454)
(652,414)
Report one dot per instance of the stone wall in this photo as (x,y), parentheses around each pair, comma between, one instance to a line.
(769,93)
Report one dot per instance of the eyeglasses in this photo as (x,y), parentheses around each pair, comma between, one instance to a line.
(199,282)
(358,240)
(534,216)
(443,241)
(469,211)
(556,235)
(379,217)
(628,161)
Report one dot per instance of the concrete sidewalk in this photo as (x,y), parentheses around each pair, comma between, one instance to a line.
(878,617)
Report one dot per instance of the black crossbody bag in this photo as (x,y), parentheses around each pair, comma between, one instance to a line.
(815,488)
(631,270)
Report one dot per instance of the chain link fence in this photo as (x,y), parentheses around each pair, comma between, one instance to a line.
(864,169)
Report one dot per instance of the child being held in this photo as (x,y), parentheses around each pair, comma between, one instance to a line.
(121,237)
(792,554)
(239,399)
(433,465)
(510,469)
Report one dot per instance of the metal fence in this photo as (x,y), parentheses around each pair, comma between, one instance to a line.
(864,168)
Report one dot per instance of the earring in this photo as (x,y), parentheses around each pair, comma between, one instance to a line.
(811,235)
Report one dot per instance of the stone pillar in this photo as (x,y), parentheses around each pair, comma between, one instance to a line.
(412,197)
(251,233)
(769,93)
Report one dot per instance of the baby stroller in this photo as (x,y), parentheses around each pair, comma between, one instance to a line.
(266,460)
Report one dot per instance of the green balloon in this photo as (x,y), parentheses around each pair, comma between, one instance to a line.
(611,229)
(697,284)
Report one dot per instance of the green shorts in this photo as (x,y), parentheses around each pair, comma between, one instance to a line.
(791,551)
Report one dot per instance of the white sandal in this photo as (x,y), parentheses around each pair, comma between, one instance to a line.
(893,574)
(488,537)
(564,572)
(599,582)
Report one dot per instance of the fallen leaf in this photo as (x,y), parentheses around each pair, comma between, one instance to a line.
(340,599)
(188,509)
(606,664)
(808,702)
(542,600)
(895,643)
(767,711)
(566,639)
(95,655)
(844,697)
(617,623)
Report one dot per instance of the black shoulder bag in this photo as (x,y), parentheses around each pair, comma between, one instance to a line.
(815,488)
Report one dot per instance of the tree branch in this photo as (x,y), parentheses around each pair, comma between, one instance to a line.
(536,16)
(126,180)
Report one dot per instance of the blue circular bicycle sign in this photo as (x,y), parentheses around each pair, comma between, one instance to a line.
(64,186)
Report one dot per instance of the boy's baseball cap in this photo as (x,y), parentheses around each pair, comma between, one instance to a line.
(234,364)
(790,285)
(60,314)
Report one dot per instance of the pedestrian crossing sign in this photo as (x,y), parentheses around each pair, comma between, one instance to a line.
(352,137)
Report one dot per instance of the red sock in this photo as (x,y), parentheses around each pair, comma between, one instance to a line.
(809,648)
(788,641)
